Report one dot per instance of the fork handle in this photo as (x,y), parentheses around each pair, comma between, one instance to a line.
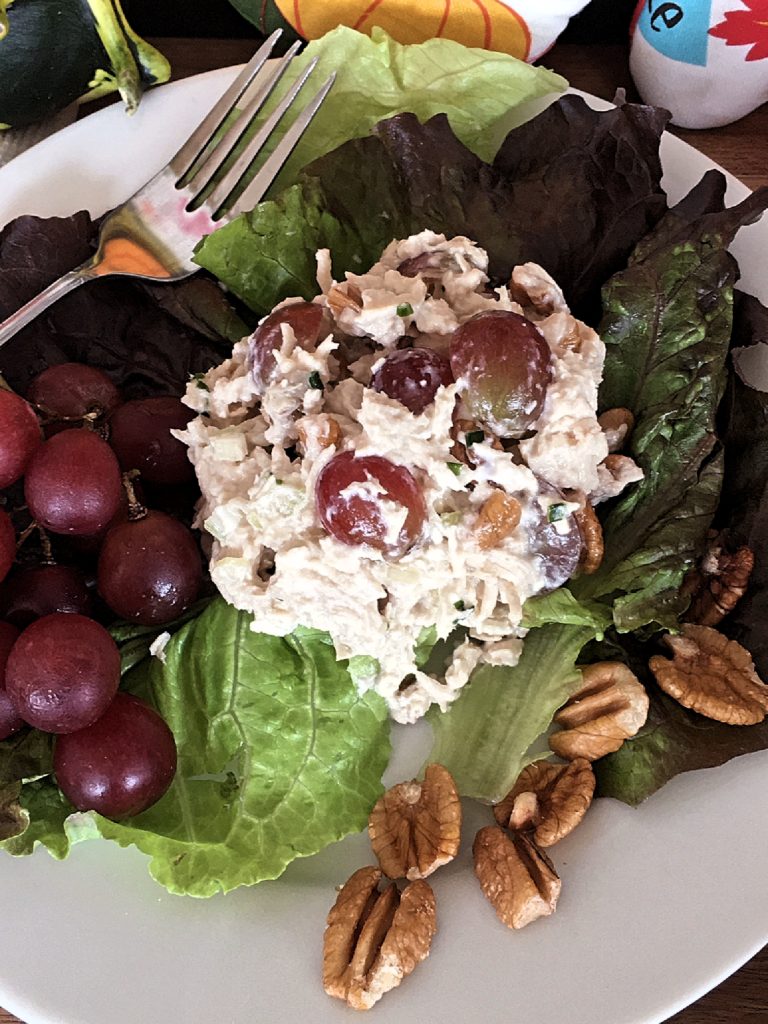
(67,283)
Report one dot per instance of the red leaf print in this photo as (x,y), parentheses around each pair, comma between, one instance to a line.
(746,28)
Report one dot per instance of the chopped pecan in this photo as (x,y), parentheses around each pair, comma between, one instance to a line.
(318,432)
(430,266)
(614,473)
(548,799)
(461,451)
(375,939)
(713,675)
(415,827)
(719,584)
(592,547)
(610,706)
(498,519)
(516,877)
(348,297)
(617,425)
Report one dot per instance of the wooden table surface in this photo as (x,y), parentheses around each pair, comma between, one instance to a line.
(741,148)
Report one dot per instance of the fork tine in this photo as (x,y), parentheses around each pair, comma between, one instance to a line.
(202,135)
(267,174)
(235,173)
(208,170)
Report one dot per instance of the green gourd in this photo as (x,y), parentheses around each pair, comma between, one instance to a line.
(57,52)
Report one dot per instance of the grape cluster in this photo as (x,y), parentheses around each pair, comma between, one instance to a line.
(82,455)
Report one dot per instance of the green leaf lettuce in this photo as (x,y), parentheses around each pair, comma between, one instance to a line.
(279,755)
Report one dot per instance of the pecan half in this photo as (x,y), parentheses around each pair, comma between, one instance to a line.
(713,675)
(592,547)
(610,706)
(375,939)
(719,584)
(548,799)
(498,519)
(516,877)
(415,827)
(617,425)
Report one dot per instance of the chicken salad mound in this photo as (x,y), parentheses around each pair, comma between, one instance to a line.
(403,457)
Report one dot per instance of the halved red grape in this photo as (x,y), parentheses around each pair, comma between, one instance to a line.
(140,434)
(72,390)
(502,365)
(370,500)
(120,765)
(37,590)
(10,719)
(63,672)
(412,376)
(558,544)
(20,436)
(73,483)
(305,319)
(149,569)
(7,544)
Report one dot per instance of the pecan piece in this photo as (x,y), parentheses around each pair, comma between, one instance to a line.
(610,706)
(592,547)
(415,827)
(614,473)
(516,877)
(617,425)
(713,675)
(461,451)
(548,799)
(719,584)
(375,939)
(498,519)
(348,297)
(318,432)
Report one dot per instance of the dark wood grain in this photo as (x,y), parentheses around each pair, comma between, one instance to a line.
(741,148)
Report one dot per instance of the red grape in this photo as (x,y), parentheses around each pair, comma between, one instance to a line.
(502,364)
(558,552)
(120,765)
(63,672)
(10,720)
(37,590)
(412,376)
(349,496)
(149,569)
(7,544)
(20,437)
(305,319)
(72,390)
(140,434)
(73,483)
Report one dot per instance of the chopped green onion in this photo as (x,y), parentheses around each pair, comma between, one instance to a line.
(557,512)
(459,606)
(474,437)
(315,381)
(405,309)
(198,379)
(455,467)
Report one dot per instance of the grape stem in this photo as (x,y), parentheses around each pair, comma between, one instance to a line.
(136,510)
(45,542)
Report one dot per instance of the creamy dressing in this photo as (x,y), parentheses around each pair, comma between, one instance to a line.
(258,450)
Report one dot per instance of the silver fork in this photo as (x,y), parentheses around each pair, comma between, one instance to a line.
(153,235)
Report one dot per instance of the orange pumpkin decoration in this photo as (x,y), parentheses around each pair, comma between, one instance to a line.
(491,24)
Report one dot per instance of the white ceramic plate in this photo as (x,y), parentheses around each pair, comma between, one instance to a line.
(659,904)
